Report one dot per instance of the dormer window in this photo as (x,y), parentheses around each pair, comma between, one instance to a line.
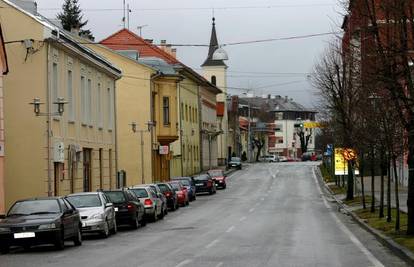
(213,80)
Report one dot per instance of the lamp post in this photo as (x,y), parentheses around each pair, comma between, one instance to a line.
(141,132)
(60,102)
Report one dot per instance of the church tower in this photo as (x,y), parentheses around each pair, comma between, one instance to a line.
(215,71)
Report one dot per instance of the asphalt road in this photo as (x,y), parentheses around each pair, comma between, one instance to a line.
(269,215)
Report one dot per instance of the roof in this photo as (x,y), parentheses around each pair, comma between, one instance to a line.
(3,54)
(126,40)
(214,45)
(158,64)
(276,104)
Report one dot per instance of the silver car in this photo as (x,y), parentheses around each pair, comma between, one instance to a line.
(96,211)
(162,199)
(152,203)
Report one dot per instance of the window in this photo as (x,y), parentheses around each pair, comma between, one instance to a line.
(83,100)
(71,110)
(183,152)
(54,86)
(182,111)
(89,103)
(99,112)
(110,108)
(166,110)
(190,115)
(196,115)
(214,80)
(186,112)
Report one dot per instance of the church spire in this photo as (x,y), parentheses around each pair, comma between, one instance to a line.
(214,45)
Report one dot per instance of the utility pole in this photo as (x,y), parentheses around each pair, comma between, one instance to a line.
(249,141)
(124,18)
(128,11)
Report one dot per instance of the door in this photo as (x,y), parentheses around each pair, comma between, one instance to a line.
(87,170)
(68,220)
(58,177)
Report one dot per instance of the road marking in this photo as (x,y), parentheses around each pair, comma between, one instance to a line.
(251,210)
(183,263)
(352,237)
(59,256)
(219,264)
(212,243)
(243,218)
(230,229)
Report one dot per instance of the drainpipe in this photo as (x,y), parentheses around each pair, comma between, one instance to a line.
(152,80)
(200,128)
(49,118)
(180,121)
(116,135)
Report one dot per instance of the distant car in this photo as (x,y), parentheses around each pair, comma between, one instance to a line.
(128,209)
(170,195)
(283,159)
(188,183)
(96,211)
(269,158)
(204,183)
(35,221)
(181,191)
(152,203)
(161,196)
(235,162)
(219,178)
(307,156)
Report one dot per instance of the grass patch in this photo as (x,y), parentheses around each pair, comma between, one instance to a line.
(327,177)
(336,189)
(357,201)
(388,228)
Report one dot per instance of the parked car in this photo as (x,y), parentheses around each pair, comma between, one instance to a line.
(160,195)
(235,162)
(35,221)
(204,183)
(219,178)
(307,156)
(97,213)
(188,183)
(170,195)
(128,209)
(152,203)
(269,158)
(283,159)
(181,191)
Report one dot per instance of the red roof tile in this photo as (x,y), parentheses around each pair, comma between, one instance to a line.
(127,40)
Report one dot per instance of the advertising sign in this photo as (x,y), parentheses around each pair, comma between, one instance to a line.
(164,150)
(341,164)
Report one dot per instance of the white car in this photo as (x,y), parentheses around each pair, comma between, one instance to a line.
(270,158)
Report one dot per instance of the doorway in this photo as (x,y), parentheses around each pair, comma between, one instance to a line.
(58,177)
(87,170)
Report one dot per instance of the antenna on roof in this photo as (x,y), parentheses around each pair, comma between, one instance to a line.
(129,11)
(123,18)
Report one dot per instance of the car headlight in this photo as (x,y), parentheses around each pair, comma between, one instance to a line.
(4,229)
(97,216)
(47,226)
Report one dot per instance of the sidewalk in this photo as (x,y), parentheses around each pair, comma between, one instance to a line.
(402,191)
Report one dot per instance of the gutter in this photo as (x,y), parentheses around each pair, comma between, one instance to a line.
(152,79)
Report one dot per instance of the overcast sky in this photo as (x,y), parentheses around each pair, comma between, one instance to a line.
(189,22)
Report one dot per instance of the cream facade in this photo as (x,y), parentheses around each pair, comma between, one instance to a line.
(55,155)
(3,71)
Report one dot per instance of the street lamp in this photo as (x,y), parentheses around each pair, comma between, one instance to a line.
(133,125)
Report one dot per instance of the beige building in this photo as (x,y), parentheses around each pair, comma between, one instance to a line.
(4,69)
(52,154)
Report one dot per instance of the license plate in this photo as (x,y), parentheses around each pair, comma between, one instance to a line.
(199,184)
(116,209)
(83,224)
(24,235)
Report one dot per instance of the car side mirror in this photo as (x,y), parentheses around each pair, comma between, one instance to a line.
(69,212)
(108,205)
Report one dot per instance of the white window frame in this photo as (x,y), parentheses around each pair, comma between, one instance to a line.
(71,106)
(83,100)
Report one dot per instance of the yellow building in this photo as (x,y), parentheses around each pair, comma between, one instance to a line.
(53,154)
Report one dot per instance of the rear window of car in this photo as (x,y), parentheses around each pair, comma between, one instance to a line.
(216,173)
(175,186)
(184,182)
(235,159)
(35,207)
(164,188)
(116,196)
(201,178)
(140,192)
(85,201)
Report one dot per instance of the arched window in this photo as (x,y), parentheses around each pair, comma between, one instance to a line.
(213,80)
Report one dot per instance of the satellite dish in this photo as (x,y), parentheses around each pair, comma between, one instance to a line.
(220,54)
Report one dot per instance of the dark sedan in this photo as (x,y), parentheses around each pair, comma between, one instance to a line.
(170,195)
(38,221)
(235,162)
(128,209)
(204,184)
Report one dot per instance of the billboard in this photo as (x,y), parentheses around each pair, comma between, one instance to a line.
(341,164)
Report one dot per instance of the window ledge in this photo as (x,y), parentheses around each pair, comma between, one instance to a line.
(71,121)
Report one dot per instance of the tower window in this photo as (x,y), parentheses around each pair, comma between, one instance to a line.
(213,80)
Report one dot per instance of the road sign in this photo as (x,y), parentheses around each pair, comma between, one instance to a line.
(313,124)
(341,164)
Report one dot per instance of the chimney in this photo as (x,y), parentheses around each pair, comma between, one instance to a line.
(174,52)
(163,44)
(75,31)
(269,96)
(168,49)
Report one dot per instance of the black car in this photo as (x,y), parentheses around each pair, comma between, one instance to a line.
(49,220)
(170,195)
(235,162)
(128,209)
(205,184)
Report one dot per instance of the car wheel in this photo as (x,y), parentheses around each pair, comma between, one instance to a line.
(105,231)
(60,242)
(135,222)
(143,222)
(114,229)
(165,210)
(187,203)
(77,239)
(161,216)
(210,192)
(4,249)
(224,186)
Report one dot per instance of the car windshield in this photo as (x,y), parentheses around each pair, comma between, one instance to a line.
(216,173)
(176,186)
(35,207)
(115,196)
(235,159)
(185,182)
(85,201)
(140,192)
(201,178)
(164,188)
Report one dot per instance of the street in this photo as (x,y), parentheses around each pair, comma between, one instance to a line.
(271,214)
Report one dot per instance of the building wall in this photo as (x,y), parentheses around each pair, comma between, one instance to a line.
(2,198)
(208,123)
(189,134)
(133,104)
(27,165)
(221,81)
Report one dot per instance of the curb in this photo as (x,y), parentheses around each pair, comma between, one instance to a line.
(399,250)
